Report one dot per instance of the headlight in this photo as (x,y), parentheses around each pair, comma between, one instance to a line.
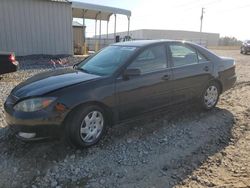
(35,104)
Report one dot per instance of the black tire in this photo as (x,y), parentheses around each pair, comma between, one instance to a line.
(207,104)
(76,120)
(244,51)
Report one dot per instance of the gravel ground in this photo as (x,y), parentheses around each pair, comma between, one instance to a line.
(178,147)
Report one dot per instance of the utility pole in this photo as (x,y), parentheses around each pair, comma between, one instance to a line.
(202,13)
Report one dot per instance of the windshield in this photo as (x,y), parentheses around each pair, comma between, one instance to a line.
(107,61)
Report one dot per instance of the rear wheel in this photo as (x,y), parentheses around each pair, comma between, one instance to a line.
(210,96)
(86,126)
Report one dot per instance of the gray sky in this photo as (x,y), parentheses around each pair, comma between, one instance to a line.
(227,17)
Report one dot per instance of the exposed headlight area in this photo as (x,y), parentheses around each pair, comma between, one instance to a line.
(34,104)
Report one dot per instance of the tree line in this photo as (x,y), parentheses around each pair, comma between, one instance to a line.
(229,41)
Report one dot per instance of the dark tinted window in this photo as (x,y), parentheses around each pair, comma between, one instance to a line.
(150,60)
(182,55)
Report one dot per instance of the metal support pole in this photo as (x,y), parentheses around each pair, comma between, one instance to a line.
(128,25)
(84,35)
(72,37)
(100,33)
(83,25)
(96,41)
(202,13)
(95,27)
(115,29)
(107,29)
(95,34)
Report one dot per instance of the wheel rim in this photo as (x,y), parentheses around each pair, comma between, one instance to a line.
(211,96)
(92,126)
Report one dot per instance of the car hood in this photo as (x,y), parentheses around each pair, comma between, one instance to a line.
(49,81)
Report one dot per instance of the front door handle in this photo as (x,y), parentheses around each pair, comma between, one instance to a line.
(165,77)
(206,68)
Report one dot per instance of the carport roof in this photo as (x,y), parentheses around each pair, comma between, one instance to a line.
(92,11)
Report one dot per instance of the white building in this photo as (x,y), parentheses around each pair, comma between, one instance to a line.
(207,39)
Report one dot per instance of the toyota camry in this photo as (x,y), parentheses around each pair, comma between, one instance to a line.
(121,81)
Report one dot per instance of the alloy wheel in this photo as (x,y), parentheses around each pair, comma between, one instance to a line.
(211,96)
(92,126)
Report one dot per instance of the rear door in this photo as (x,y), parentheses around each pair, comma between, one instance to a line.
(191,71)
(149,90)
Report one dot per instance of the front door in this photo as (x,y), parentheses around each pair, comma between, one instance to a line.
(149,90)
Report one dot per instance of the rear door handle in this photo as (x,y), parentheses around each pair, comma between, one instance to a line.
(165,77)
(206,68)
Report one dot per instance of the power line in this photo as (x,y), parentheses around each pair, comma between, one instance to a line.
(229,10)
(194,4)
(187,4)
(212,2)
(203,5)
(241,7)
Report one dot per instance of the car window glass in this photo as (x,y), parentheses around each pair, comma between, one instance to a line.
(150,60)
(108,60)
(182,55)
(201,58)
(146,55)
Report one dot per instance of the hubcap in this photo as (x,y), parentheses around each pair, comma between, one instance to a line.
(91,127)
(211,96)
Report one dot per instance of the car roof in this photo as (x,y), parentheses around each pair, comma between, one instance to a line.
(142,43)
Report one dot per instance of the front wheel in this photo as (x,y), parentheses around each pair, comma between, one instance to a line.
(86,126)
(210,96)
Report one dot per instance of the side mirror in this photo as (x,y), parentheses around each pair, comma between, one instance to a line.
(131,72)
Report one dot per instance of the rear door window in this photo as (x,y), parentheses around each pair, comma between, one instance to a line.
(182,55)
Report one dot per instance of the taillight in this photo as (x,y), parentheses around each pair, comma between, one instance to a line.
(12,58)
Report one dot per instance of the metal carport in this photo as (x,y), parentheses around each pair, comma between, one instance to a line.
(97,12)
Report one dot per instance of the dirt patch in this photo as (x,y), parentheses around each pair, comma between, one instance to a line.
(230,167)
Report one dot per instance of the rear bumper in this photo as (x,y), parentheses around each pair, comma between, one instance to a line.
(228,83)
(12,68)
(228,78)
